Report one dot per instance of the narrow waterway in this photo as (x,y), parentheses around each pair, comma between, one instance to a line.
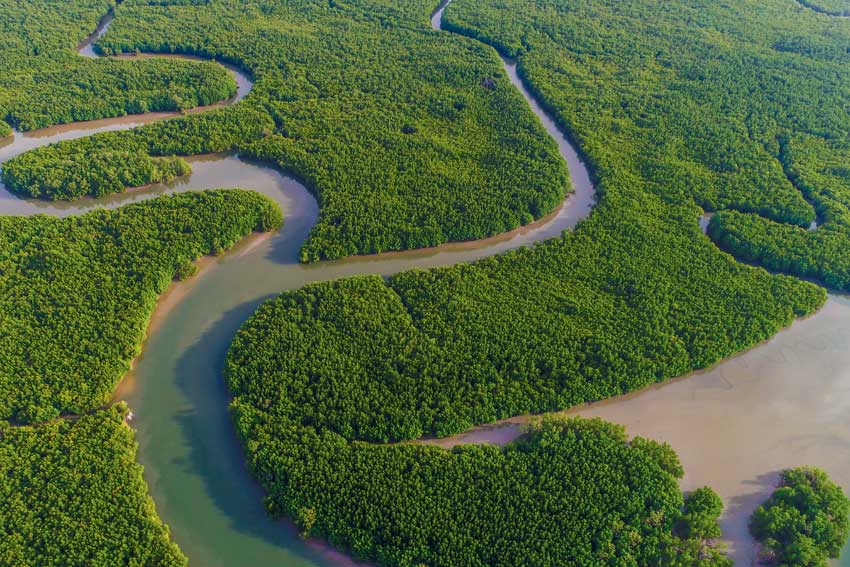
(735,426)
(782,404)
(823,11)
(193,463)
(25,141)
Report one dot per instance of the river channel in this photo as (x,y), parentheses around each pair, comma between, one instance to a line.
(193,463)
(781,404)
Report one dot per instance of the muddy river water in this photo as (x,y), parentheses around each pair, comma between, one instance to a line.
(734,426)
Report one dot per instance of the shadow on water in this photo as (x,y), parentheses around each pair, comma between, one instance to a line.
(738,510)
(729,424)
(217,460)
(216,456)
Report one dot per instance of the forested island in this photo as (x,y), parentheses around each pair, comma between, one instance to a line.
(77,292)
(408,138)
(804,522)
(111,161)
(44,82)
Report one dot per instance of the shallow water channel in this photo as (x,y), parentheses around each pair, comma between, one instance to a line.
(735,426)
(781,404)
(193,463)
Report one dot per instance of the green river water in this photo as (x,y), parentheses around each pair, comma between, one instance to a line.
(781,404)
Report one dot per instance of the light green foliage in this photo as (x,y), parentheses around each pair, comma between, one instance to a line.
(703,100)
(821,254)
(570,492)
(77,292)
(702,509)
(44,82)
(73,496)
(319,370)
(634,296)
(408,137)
(828,7)
(5,129)
(411,137)
(110,161)
(804,522)
(96,174)
(438,351)
(819,168)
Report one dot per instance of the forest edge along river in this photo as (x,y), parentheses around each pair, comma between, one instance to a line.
(734,426)
(193,462)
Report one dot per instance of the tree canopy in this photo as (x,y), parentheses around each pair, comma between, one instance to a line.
(804,522)
(740,107)
(570,492)
(73,496)
(77,292)
(44,82)
(689,109)
(411,137)
(828,7)
(408,137)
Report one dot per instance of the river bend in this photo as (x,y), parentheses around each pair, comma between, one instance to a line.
(781,404)
(193,463)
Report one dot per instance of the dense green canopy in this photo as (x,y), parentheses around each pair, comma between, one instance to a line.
(819,169)
(73,496)
(568,493)
(110,161)
(711,103)
(408,137)
(411,137)
(44,82)
(689,107)
(804,522)
(738,106)
(77,292)
(318,371)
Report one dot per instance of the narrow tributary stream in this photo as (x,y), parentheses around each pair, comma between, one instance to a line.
(193,463)
(784,403)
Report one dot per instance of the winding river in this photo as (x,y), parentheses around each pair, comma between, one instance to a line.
(193,463)
(734,426)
